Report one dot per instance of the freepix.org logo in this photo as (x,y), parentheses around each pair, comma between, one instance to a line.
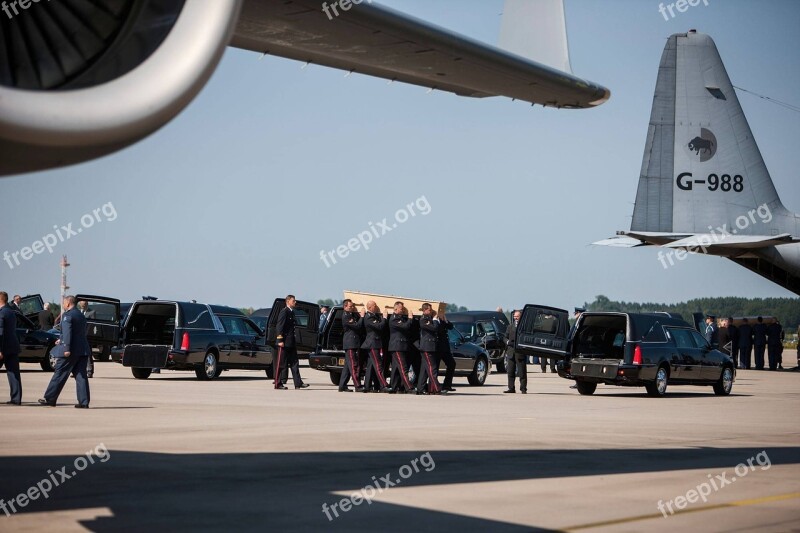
(704,146)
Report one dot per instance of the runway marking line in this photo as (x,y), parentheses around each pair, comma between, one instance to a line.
(738,503)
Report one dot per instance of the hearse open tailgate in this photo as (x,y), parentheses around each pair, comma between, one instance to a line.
(145,356)
(594,368)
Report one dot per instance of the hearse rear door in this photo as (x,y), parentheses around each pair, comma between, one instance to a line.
(306,325)
(542,332)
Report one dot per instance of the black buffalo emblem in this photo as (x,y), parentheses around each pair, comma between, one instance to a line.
(698,143)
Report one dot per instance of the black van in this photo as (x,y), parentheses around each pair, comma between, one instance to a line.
(626,349)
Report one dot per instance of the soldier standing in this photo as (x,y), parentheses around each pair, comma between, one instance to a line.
(427,348)
(443,352)
(724,337)
(712,333)
(374,380)
(515,364)
(745,344)
(287,348)
(399,343)
(733,332)
(353,323)
(774,343)
(760,341)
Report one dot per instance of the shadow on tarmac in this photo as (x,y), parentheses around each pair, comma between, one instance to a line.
(285,491)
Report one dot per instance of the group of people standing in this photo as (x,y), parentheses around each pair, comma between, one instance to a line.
(72,352)
(741,341)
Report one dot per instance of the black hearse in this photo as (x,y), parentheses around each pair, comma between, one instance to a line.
(626,349)
(207,339)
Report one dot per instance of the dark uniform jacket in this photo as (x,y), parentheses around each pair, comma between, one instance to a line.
(745,335)
(73,334)
(442,338)
(46,320)
(511,338)
(286,328)
(9,344)
(759,334)
(774,331)
(353,324)
(400,333)
(428,334)
(724,339)
(375,324)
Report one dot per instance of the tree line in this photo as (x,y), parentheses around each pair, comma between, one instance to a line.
(787,310)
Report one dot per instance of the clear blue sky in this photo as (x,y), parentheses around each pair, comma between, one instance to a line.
(233,201)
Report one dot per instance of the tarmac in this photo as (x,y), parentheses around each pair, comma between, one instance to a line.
(175,453)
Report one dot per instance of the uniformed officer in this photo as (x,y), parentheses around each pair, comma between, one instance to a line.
(733,332)
(352,324)
(774,343)
(400,324)
(427,347)
(9,349)
(374,380)
(745,344)
(760,341)
(287,348)
(515,364)
(712,332)
(443,352)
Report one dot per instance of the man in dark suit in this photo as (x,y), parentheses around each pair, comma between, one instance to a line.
(712,332)
(400,324)
(515,364)
(760,341)
(72,353)
(774,343)
(427,347)
(352,323)
(15,303)
(46,319)
(83,307)
(745,344)
(374,380)
(733,332)
(287,348)
(443,352)
(724,337)
(9,349)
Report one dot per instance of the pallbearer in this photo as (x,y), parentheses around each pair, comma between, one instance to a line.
(443,352)
(375,325)
(353,324)
(427,349)
(399,343)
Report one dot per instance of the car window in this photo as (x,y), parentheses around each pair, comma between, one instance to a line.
(488,328)
(454,336)
(100,311)
(251,328)
(545,323)
(300,318)
(233,325)
(30,305)
(196,316)
(683,337)
(699,340)
(465,328)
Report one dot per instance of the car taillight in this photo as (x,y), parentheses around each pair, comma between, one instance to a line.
(637,355)
(185,342)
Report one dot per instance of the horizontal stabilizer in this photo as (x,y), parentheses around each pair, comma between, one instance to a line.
(620,241)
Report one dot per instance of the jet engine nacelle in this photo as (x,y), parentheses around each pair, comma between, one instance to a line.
(77,83)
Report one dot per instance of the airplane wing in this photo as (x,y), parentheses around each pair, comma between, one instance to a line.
(379,41)
(716,242)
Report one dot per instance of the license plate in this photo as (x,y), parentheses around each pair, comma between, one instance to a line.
(341,361)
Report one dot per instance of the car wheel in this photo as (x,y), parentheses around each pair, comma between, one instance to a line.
(49,363)
(210,368)
(478,376)
(141,373)
(586,388)
(658,387)
(335,377)
(725,384)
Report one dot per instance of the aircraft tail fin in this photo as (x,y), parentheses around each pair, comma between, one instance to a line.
(701,164)
(536,30)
